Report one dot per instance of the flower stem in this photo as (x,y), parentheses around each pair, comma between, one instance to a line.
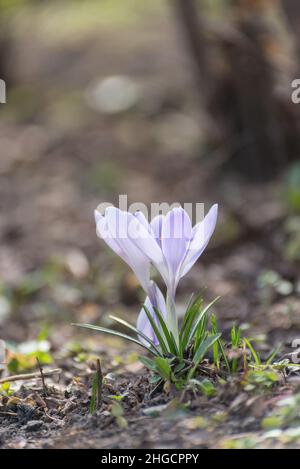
(172,320)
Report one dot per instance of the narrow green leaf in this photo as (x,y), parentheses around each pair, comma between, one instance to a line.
(93,403)
(223,353)
(177,352)
(202,350)
(201,332)
(273,355)
(156,331)
(163,367)
(150,364)
(191,311)
(253,352)
(204,347)
(116,333)
(137,331)
(202,314)
(190,316)
(214,331)
(168,334)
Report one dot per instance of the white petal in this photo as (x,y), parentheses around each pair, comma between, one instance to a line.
(202,233)
(114,229)
(176,234)
(143,323)
(156,225)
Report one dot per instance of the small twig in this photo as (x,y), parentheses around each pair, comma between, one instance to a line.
(26,376)
(100,384)
(42,376)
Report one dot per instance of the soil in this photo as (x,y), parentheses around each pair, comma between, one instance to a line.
(59,159)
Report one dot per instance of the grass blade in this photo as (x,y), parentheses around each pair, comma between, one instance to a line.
(189,318)
(191,311)
(163,367)
(223,353)
(214,330)
(168,334)
(202,314)
(273,355)
(93,403)
(202,350)
(204,347)
(253,352)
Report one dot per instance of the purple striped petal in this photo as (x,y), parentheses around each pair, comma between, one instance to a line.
(202,233)
(176,234)
(156,225)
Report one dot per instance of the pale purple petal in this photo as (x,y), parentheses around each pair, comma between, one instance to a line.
(202,233)
(147,244)
(176,234)
(156,225)
(113,228)
(142,219)
(143,323)
(104,233)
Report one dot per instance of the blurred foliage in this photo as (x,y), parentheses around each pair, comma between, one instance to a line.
(271,284)
(23,357)
(287,413)
(293,188)
(79,17)
(104,176)
(256,380)
(292,245)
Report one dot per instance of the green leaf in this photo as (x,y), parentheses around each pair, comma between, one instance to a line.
(163,367)
(253,352)
(273,355)
(117,410)
(201,351)
(201,332)
(189,318)
(93,403)
(155,379)
(168,335)
(204,347)
(214,330)
(150,364)
(118,334)
(156,331)
(201,316)
(137,331)
(207,387)
(223,353)
(192,310)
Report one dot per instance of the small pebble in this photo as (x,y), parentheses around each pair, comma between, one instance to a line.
(33,426)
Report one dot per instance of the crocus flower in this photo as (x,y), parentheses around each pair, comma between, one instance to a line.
(169,242)
(118,229)
(180,246)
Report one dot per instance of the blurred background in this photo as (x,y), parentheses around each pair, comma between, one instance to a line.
(178,100)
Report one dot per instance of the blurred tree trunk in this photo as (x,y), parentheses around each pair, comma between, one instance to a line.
(291,9)
(243,98)
(195,39)
(5,47)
